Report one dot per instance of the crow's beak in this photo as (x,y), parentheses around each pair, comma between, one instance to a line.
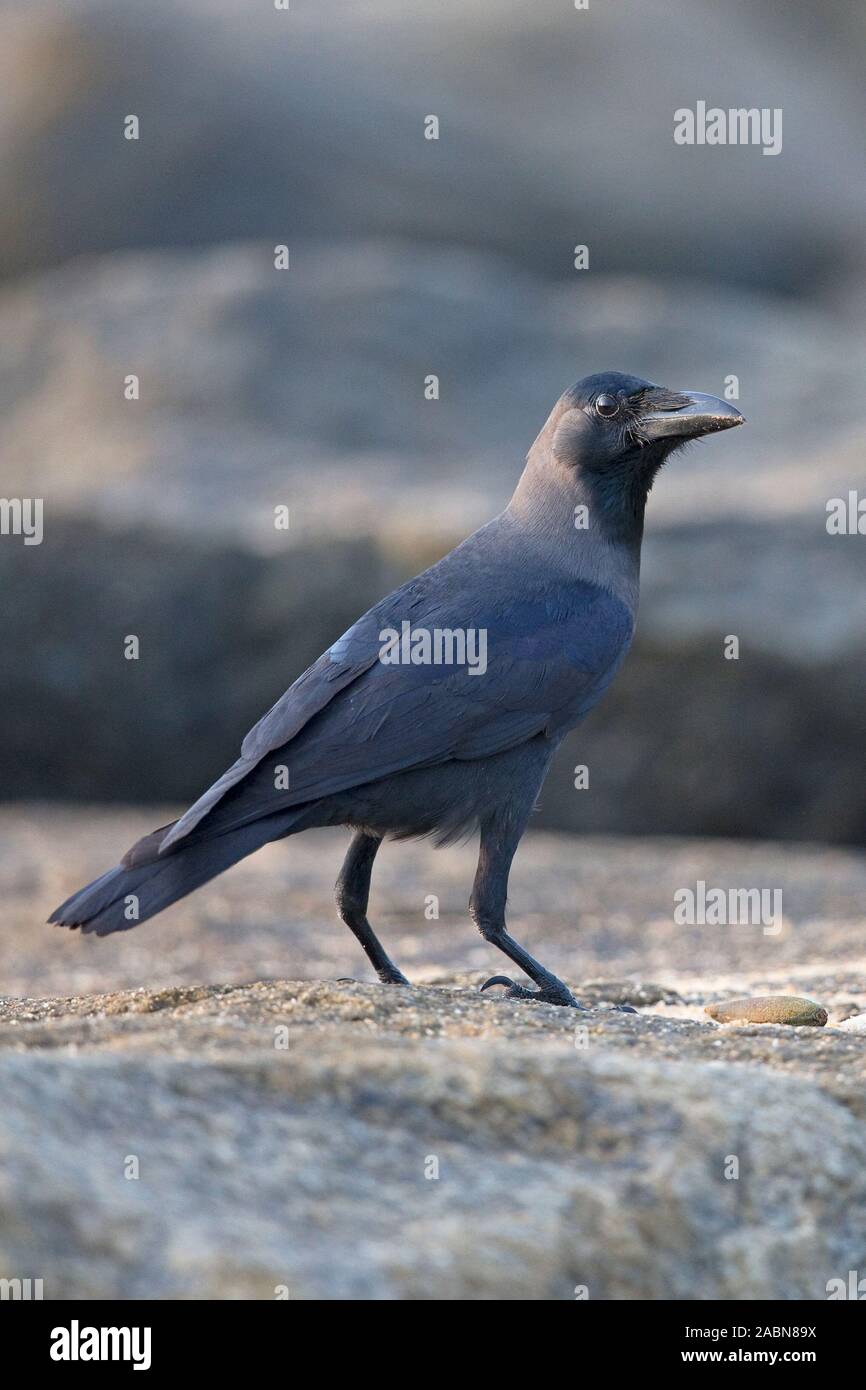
(699,415)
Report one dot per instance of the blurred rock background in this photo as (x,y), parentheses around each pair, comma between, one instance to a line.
(305,387)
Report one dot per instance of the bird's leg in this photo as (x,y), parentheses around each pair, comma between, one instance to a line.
(487,906)
(353,893)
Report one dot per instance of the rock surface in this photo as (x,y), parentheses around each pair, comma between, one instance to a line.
(344,1140)
(432,1146)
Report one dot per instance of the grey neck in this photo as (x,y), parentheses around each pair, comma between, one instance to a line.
(559,514)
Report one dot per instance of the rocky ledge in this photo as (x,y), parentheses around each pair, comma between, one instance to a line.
(328,1139)
(339,1141)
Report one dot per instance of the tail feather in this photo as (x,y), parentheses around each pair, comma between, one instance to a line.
(127,895)
(146,850)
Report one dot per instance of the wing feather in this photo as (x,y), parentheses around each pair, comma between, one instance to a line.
(352,718)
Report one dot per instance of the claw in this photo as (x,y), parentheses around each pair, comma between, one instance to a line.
(497,980)
(394,977)
(563,997)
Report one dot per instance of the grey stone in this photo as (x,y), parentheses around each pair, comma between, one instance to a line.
(282,1127)
(422,1144)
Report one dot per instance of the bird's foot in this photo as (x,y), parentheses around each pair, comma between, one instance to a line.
(554,993)
(393,976)
(387,977)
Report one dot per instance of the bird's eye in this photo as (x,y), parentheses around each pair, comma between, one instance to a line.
(607,405)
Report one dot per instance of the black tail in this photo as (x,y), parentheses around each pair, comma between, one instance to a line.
(135,890)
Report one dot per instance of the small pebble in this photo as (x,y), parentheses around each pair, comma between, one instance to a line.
(857,1024)
(769,1008)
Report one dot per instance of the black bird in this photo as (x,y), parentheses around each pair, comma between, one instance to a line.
(439,711)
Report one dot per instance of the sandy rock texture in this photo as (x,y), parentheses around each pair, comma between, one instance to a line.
(298,1135)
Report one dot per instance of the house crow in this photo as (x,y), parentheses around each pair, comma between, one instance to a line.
(439,711)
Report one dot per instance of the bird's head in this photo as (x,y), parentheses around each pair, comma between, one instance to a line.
(609,434)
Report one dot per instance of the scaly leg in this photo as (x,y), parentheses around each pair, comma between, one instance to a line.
(487,906)
(353,894)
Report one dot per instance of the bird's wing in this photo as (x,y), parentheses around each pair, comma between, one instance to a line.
(354,718)
(349,657)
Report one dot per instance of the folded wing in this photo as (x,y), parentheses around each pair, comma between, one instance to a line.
(353,717)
